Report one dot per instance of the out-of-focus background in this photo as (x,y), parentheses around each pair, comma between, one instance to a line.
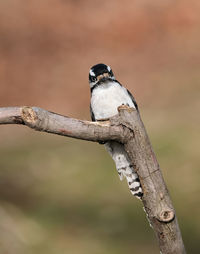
(59,195)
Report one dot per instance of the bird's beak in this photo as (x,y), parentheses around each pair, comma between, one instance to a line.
(103,76)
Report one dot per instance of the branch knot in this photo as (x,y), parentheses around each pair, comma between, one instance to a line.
(166,216)
(28,115)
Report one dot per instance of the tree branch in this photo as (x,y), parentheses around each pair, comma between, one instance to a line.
(43,120)
(157,203)
(127,128)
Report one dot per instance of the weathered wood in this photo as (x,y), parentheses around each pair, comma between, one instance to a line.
(43,120)
(127,128)
(156,199)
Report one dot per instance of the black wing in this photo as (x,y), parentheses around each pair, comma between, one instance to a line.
(133,100)
(92,114)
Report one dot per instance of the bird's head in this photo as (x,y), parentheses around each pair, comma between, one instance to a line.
(100,73)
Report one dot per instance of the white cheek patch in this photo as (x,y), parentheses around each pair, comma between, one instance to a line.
(108,68)
(92,84)
(92,73)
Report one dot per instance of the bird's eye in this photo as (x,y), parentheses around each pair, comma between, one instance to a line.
(93,78)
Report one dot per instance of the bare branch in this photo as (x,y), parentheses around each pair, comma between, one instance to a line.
(157,203)
(127,128)
(42,120)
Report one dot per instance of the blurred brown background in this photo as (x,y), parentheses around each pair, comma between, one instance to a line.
(63,196)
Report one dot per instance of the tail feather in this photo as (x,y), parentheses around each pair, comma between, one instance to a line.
(124,168)
(132,180)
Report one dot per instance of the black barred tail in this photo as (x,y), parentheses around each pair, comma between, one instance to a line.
(132,180)
(124,167)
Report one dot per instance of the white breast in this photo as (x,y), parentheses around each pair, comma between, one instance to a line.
(107,97)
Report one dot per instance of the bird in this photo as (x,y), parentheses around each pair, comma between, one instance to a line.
(107,94)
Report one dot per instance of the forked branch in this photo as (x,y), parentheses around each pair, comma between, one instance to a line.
(127,128)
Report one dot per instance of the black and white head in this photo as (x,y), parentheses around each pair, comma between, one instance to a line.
(100,73)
